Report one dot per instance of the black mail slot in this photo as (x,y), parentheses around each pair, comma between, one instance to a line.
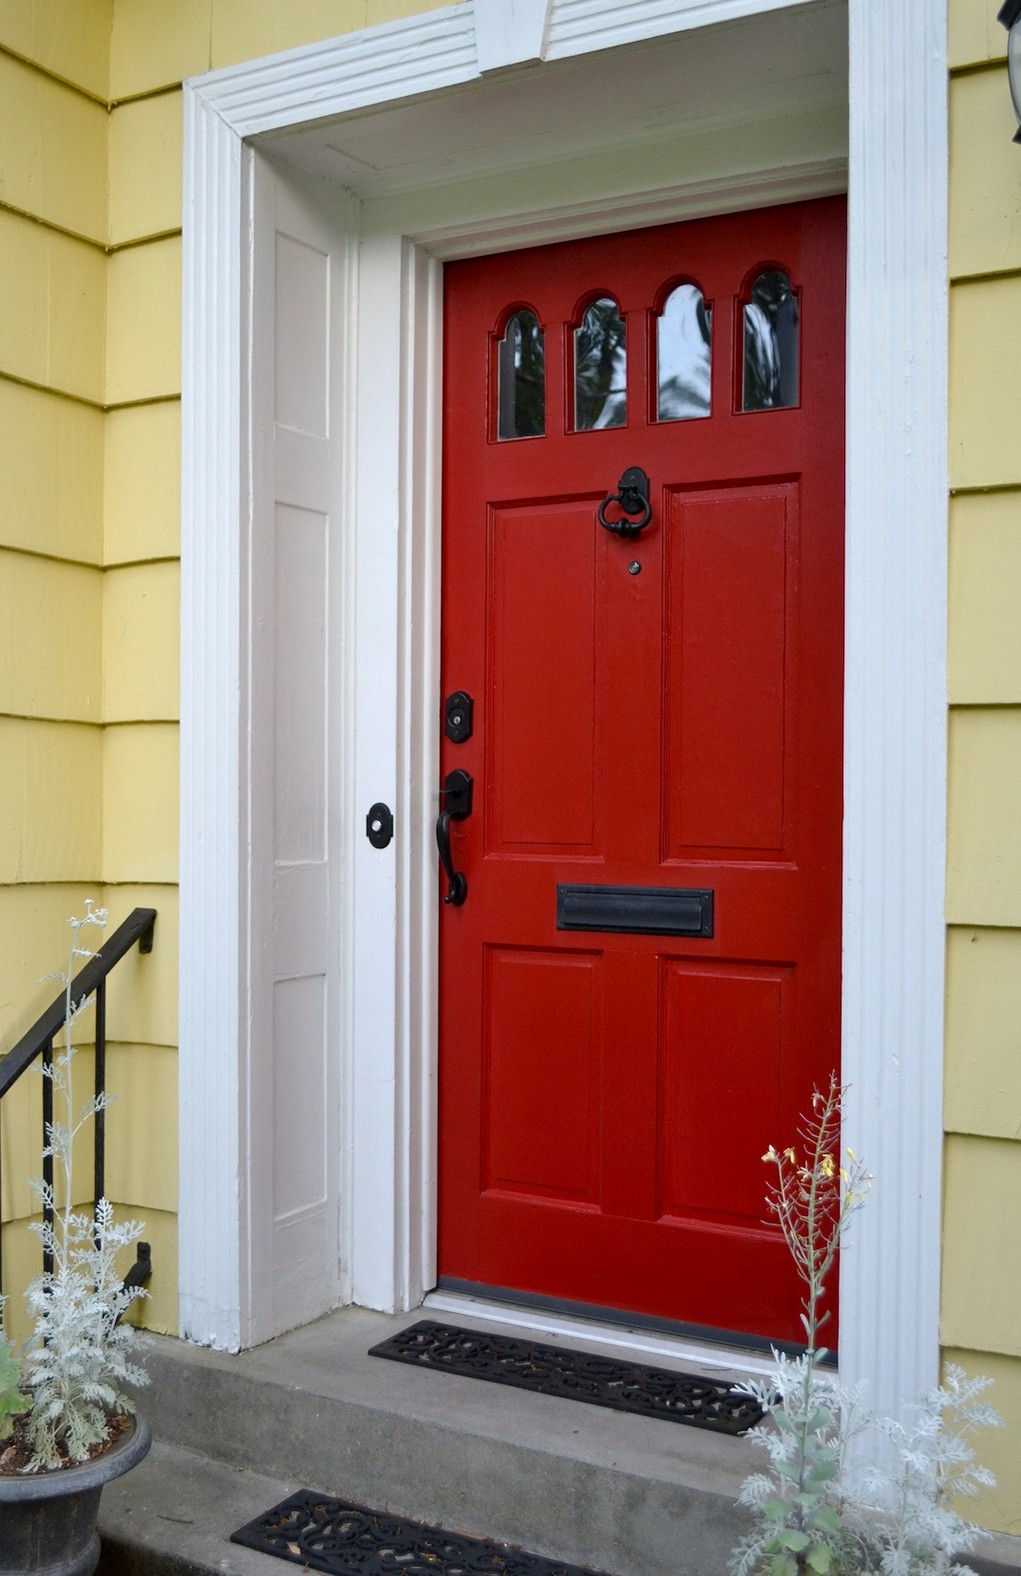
(648,911)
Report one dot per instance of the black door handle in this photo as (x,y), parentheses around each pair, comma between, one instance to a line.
(457,791)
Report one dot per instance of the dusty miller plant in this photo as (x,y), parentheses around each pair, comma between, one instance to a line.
(70,1375)
(813,1512)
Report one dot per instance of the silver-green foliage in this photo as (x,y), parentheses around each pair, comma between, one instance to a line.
(817,1509)
(78,1360)
(71,1372)
(846,1493)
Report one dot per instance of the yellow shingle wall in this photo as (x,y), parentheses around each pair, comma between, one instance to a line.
(982,1184)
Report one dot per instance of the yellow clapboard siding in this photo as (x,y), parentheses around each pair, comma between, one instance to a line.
(985,589)
(984,854)
(70,38)
(142,994)
(378,11)
(33,935)
(985,394)
(973,33)
(140,803)
(153,45)
(141,1125)
(999,1508)
(158,1310)
(52,309)
(245,29)
(982,1245)
(985,200)
(982,1092)
(51,460)
(50,656)
(141,643)
(143,483)
(146,155)
(143,350)
(59,173)
(51,791)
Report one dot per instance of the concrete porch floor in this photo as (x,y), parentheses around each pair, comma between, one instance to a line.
(621,1494)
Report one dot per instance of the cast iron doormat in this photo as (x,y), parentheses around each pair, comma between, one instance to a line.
(577,1376)
(325,1534)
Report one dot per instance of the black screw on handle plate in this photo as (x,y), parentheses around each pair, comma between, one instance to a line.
(632,497)
(457,791)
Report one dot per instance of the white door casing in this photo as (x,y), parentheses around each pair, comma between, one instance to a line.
(384,533)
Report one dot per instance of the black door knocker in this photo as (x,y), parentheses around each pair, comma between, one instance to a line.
(633,498)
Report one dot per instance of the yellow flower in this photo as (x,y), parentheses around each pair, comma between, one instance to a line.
(828,1166)
(771,1154)
(790,1155)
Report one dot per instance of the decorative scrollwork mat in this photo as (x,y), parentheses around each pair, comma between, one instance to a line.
(325,1534)
(576,1376)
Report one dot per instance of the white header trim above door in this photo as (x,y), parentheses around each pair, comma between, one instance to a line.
(896,620)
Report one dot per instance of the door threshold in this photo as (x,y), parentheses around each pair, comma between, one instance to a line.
(633,1339)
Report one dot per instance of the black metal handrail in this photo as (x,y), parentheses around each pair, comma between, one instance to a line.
(90,980)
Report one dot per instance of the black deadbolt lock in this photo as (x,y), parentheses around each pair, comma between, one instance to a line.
(457,717)
(379,825)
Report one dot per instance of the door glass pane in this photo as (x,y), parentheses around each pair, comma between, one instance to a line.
(600,368)
(683,332)
(521,379)
(771,344)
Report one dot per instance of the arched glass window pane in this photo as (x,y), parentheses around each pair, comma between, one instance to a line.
(521,379)
(683,336)
(600,368)
(771,344)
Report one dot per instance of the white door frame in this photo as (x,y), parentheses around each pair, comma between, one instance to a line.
(895,709)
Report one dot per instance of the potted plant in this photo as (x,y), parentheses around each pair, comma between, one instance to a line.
(66,1424)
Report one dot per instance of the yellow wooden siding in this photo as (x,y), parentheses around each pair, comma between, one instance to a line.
(51,461)
(50,657)
(60,174)
(141,1155)
(51,792)
(985,331)
(146,160)
(141,643)
(143,357)
(982,1245)
(142,993)
(985,193)
(140,803)
(33,925)
(973,33)
(984,861)
(142,492)
(996,1507)
(985,577)
(68,38)
(983,1071)
(52,308)
(982,1181)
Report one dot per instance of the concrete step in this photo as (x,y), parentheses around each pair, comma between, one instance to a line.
(620,1494)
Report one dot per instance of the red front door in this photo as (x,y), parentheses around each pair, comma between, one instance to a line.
(641,986)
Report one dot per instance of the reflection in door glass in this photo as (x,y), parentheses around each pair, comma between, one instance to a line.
(771,344)
(682,355)
(600,368)
(521,379)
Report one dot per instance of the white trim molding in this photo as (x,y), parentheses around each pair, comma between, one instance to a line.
(895,771)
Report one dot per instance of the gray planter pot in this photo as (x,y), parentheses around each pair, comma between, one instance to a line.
(48,1519)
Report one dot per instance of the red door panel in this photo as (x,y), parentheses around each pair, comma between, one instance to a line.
(659,712)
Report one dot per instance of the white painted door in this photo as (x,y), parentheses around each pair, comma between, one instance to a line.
(295,728)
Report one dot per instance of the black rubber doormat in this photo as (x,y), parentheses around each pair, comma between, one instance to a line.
(577,1376)
(325,1534)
